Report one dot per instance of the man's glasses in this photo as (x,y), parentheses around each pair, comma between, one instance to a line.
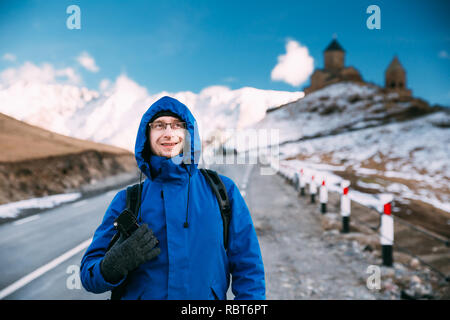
(159,125)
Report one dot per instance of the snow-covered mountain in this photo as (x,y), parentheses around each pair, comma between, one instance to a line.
(112,114)
(47,105)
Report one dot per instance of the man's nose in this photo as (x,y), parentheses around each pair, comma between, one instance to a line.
(168,131)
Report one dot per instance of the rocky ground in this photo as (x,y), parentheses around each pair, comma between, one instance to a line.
(307,257)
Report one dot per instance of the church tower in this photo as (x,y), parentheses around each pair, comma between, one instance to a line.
(334,69)
(395,78)
(334,57)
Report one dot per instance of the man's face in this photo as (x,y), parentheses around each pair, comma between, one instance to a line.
(166,142)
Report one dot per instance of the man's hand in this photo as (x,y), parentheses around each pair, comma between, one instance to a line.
(127,255)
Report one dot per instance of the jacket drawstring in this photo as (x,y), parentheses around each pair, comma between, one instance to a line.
(139,196)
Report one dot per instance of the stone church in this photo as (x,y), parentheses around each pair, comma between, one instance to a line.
(335,71)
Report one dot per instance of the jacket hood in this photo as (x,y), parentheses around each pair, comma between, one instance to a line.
(192,147)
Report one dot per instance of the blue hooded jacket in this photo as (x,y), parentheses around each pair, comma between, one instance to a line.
(193,263)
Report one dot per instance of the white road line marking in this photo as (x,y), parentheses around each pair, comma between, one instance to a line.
(25,220)
(244,183)
(45,268)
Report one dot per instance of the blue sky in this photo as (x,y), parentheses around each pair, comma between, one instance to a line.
(189,45)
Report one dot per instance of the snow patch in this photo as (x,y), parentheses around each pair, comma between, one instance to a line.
(11,210)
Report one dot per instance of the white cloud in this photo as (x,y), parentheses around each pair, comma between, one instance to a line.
(295,66)
(87,61)
(46,73)
(9,57)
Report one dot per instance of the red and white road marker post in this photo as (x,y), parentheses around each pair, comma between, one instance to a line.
(323,195)
(345,206)
(313,189)
(387,230)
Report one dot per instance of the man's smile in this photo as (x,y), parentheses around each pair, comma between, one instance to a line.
(168,145)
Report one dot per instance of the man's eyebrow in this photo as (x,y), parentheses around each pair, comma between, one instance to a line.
(175,121)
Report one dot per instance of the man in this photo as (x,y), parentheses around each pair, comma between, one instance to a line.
(178,251)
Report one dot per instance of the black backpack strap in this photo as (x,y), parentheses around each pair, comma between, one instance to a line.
(132,204)
(222,197)
(133,197)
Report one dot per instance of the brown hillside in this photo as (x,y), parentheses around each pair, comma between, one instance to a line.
(20,141)
(35,162)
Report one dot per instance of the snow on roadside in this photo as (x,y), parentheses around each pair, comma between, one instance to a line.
(332,181)
(12,210)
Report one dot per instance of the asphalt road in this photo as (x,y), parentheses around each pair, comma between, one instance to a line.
(29,247)
(41,254)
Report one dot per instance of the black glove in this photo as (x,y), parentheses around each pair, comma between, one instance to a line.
(125,256)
